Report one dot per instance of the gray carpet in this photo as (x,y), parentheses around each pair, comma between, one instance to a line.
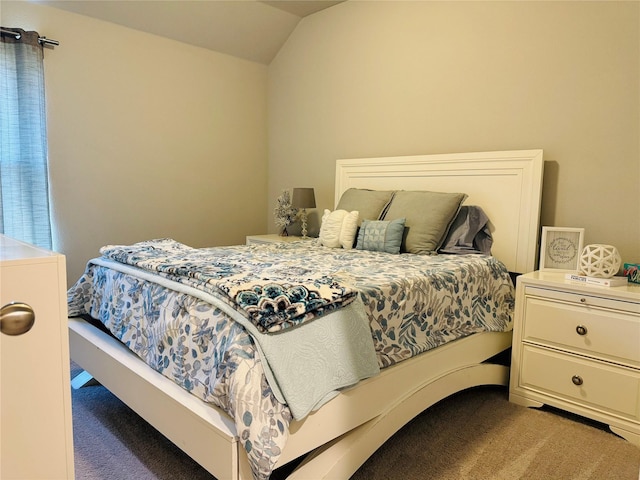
(474,435)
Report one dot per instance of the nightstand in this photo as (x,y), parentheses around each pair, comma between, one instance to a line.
(577,348)
(272,238)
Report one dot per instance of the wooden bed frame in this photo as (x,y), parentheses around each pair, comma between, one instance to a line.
(339,437)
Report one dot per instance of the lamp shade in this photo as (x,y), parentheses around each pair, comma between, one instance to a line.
(303,198)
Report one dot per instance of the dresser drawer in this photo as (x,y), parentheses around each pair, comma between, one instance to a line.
(606,334)
(614,389)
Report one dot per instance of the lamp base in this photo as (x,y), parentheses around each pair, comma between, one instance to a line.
(303,218)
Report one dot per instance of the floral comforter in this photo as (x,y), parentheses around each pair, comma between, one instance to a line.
(413,303)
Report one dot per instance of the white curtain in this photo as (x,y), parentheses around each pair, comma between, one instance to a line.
(24,182)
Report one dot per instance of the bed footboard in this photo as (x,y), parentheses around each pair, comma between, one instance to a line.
(202,431)
(386,403)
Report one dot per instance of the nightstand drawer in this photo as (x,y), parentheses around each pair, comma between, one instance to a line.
(591,331)
(615,389)
(585,300)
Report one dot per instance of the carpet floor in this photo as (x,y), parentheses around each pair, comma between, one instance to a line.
(473,435)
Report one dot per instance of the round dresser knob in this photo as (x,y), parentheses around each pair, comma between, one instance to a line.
(583,300)
(577,380)
(16,318)
(581,330)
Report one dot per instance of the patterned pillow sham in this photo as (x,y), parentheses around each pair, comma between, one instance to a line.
(381,235)
(338,228)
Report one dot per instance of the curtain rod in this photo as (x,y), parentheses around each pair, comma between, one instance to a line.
(42,40)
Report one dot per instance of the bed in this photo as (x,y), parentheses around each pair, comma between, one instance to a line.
(336,435)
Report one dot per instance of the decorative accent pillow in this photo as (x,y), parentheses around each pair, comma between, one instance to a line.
(338,228)
(381,235)
(428,218)
(370,203)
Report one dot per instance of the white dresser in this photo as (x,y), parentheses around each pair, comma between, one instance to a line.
(36,433)
(577,348)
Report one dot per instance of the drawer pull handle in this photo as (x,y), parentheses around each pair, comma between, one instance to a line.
(581,330)
(577,380)
(583,300)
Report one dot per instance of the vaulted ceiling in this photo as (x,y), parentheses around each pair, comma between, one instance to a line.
(251,29)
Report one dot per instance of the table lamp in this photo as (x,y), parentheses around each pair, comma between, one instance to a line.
(303,198)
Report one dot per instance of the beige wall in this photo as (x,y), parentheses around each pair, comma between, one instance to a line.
(381,78)
(148,137)
(152,138)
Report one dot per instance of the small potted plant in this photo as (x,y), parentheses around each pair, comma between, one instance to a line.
(285,213)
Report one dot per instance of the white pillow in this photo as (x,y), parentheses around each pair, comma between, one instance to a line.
(349,229)
(338,228)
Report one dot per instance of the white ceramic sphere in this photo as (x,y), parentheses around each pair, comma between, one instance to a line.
(602,261)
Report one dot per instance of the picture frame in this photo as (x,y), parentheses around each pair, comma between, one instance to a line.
(560,248)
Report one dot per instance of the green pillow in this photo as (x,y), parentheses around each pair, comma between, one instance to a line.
(428,218)
(369,203)
(380,235)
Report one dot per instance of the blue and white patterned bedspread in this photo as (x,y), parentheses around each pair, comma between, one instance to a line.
(226,277)
(412,303)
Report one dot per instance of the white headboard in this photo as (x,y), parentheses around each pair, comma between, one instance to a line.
(507,185)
